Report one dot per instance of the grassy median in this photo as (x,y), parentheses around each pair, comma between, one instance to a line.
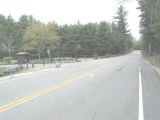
(2,69)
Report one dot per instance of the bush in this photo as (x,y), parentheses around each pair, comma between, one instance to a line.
(7,59)
(1,61)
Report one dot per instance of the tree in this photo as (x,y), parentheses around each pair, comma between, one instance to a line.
(89,43)
(40,37)
(2,37)
(23,22)
(9,27)
(104,38)
(150,18)
(28,34)
(122,29)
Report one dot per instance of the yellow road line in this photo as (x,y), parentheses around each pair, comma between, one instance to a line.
(45,91)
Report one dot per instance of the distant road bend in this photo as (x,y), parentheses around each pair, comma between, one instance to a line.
(118,88)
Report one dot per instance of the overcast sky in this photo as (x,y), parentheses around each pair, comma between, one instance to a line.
(70,11)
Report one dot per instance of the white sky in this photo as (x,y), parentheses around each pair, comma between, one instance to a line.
(133,18)
(70,11)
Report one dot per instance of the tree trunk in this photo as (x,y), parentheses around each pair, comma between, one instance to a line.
(149,48)
(9,51)
(39,55)
(9,54)
(76,56)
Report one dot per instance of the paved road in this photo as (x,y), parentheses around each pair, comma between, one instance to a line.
(106,89)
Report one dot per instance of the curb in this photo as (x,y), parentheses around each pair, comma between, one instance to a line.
(25,73)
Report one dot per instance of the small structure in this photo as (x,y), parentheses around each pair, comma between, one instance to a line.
(23,58)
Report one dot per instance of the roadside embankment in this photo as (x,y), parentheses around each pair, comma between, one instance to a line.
(154,61)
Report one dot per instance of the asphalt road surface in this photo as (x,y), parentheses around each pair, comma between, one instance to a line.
(118,88)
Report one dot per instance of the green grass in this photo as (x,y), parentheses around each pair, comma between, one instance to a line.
(2,69)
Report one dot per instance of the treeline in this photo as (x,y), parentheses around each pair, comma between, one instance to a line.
(76,40)
(150,26)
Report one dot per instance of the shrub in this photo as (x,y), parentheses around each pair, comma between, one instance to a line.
(7,59)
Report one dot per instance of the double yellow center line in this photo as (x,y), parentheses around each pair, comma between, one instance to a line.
(45,91)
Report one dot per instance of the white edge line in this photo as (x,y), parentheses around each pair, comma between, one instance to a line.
(141,112)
